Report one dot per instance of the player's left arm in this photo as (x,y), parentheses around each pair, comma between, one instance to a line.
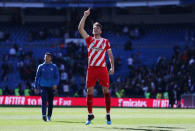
(111,58)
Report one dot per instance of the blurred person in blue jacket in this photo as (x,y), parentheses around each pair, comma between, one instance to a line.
(46,81)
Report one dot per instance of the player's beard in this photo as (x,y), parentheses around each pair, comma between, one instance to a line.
(96,34)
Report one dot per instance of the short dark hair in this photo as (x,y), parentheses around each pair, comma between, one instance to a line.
(98,24)
(49,54)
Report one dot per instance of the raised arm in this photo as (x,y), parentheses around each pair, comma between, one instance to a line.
(111,58)
(82,24)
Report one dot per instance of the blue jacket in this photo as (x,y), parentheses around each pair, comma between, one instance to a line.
(47,75)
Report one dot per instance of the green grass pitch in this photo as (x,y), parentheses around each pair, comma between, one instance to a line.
(73,119)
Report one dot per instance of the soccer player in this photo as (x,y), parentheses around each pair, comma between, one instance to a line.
(97,70)
(47,79)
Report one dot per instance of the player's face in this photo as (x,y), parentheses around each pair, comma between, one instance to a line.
(96,30)
(47,58)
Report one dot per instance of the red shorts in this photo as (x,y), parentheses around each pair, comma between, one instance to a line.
(97,73)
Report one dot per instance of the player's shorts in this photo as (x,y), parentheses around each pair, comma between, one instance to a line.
(95,74)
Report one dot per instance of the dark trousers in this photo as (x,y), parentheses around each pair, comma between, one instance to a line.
(47,95)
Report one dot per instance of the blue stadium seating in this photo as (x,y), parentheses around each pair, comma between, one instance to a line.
(157,40)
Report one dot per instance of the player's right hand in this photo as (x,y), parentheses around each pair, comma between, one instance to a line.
(55,87)
(87,12)
(36,91)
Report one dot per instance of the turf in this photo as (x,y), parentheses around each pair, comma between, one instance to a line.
(73,119)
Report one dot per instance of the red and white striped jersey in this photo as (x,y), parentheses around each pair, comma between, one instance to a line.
(97,51)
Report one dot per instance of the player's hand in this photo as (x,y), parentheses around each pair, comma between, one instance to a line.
(55,87)
(87,12)
(36,91)
(111,71)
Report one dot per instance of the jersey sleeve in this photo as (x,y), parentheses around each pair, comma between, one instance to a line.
(89,40)
(108,45)
(37,77)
